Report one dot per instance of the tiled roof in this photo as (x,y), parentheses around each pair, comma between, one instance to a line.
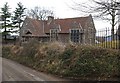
(35,27)
(39,28)
(66,24)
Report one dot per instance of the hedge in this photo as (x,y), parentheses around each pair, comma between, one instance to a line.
(77,61)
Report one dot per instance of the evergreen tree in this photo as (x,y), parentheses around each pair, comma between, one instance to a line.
(5,18)
(18,16)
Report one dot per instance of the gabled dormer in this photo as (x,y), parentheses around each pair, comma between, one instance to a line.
(54,30)
(76,33)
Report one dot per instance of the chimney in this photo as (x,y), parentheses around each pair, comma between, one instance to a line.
(50,19)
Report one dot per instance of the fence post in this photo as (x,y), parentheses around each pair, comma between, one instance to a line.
(119,36)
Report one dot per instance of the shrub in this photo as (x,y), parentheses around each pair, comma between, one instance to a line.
(30,49)
(6,51)
(52,52)
(88,61)
(68,60)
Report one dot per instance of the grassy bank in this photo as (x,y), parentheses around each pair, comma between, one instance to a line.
(69,60)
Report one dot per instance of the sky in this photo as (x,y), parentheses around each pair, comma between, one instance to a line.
(61,8)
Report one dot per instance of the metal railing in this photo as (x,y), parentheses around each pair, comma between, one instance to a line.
(105,39)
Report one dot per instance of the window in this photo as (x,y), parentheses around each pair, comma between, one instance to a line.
(53,34)
(75,36)
(27,32)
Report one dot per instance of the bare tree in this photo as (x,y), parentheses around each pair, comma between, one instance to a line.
(40,13)
(105,9)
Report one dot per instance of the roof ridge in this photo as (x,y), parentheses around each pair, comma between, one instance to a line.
(33,19)
(71,18)
(58,18)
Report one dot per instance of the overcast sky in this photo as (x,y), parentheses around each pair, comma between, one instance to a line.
(60,7)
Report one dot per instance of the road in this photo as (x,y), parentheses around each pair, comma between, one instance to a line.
(12,71)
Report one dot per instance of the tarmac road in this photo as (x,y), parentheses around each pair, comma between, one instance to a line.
(13,71)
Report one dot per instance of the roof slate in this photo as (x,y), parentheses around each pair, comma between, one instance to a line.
(35,27)
(66,24)
(39,28)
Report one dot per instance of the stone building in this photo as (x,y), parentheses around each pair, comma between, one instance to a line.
(78,30)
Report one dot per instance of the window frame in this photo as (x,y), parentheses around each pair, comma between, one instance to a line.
(54,36)
(80,36)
